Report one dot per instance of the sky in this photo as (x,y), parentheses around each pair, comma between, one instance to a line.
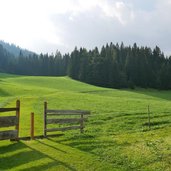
(49,25)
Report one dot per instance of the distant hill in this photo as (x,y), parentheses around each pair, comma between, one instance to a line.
(15,50)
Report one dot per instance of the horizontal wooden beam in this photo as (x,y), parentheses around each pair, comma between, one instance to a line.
(7,121)
(67,112)
(63,129)
(11,134)
(8,109)
(66,120)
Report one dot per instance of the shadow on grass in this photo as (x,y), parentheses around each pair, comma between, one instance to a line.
(12,147)
(4,93)
(18,154)
(91,147)
(161,94)
(130,114)
(6,76)
(42,167)
(143,114)
(157,123)
(55,148)
(88,145)
(96,91)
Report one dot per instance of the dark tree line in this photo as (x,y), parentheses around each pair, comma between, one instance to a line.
(43,64)
(115,66)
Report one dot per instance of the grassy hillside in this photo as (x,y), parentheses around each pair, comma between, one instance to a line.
(116,135)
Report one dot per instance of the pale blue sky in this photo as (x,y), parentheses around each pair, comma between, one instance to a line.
(48,25)
(147,5)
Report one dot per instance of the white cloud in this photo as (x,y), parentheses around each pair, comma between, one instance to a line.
(119,10)
(24,22)
(47,25)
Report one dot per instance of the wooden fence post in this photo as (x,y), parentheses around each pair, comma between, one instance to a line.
(45,117)
(32,126)
(149,122)
(81,124)
(17,127)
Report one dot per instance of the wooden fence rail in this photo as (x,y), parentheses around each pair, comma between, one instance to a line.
(8,121)
(57,113)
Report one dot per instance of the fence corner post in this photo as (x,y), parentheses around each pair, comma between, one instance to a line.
(32,126)
(17,127)
(45,118)
(149,122)
(81,124)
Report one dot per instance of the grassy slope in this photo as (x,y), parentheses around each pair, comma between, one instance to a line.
(116,135)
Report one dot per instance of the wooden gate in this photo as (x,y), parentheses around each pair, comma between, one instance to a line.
(51,116)
(8,121)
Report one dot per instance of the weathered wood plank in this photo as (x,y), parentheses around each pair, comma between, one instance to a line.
(63,129)
(9,109)
(18,117)
(7,121)
(67,112)
(66,120)
(82,123)
(11,134)
(45,118)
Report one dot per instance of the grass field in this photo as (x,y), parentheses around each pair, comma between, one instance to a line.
(116,135)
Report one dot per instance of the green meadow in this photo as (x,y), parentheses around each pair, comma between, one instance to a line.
(116,136)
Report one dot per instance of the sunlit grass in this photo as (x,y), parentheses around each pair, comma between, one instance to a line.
(116,135)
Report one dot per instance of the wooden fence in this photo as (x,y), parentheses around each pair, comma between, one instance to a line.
(8,121)
(49,113)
